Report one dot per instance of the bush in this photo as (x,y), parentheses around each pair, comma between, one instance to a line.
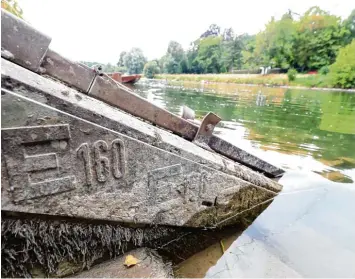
(342,72)
(151,69)
(324,70)
(291,74)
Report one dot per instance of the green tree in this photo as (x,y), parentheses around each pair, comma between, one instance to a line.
(193,65)
(319,37)
(151,69)
(173,61)
(274,46)
(209,54)
(120,62)
(249,59)
(134,61)
(349,25)
(342,72)
(232,53)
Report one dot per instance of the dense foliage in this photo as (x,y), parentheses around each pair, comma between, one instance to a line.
(151,69)
(310,42)
(134,61)
(342,72)
(291,74)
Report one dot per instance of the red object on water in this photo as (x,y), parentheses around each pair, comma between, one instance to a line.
(124,78)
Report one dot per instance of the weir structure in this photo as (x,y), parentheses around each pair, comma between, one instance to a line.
(91,170)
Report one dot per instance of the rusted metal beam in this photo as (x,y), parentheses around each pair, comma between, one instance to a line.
(108,90)
(241,156)
(21,43)
(77,75)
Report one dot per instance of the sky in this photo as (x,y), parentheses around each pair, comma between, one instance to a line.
(99,30)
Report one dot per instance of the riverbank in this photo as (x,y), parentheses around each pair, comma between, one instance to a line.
(302,81)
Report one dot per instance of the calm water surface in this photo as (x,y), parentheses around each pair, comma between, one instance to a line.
(309,229)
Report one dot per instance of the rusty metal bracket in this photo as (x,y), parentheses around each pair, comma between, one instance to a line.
(205,131)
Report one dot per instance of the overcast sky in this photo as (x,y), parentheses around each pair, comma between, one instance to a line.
(99,30)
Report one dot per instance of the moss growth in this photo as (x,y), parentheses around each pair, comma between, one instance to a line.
(35,247)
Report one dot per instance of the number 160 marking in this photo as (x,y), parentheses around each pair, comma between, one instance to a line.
(102,163)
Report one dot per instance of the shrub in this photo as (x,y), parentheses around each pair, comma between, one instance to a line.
(291,74)
(324,70)
(151,69)
(342,72)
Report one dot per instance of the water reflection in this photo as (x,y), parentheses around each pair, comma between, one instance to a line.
(295,129)
(309,229)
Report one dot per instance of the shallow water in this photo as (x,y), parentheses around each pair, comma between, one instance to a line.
(309,229)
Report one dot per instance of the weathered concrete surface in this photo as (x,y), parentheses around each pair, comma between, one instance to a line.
(150,265)
(71,101)
(21,43)
(73,167)
(55,161)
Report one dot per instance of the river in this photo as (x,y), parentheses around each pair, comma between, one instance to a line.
(309,229)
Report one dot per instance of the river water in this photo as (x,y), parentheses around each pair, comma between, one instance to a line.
(309,229)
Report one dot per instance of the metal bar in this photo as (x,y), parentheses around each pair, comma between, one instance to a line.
(77,75)
(241,156)
(21,43)
(107,90)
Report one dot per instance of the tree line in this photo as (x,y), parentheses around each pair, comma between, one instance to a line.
(307,42)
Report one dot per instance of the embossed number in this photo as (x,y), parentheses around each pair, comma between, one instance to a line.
(84,152)
(102,163)
(118,153)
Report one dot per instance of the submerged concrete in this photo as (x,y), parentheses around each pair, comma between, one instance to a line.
(56,158)
(61,97)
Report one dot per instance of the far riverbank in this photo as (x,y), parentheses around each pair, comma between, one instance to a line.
(302,81)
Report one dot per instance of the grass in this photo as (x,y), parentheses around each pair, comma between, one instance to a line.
(304,80)
(312,81)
